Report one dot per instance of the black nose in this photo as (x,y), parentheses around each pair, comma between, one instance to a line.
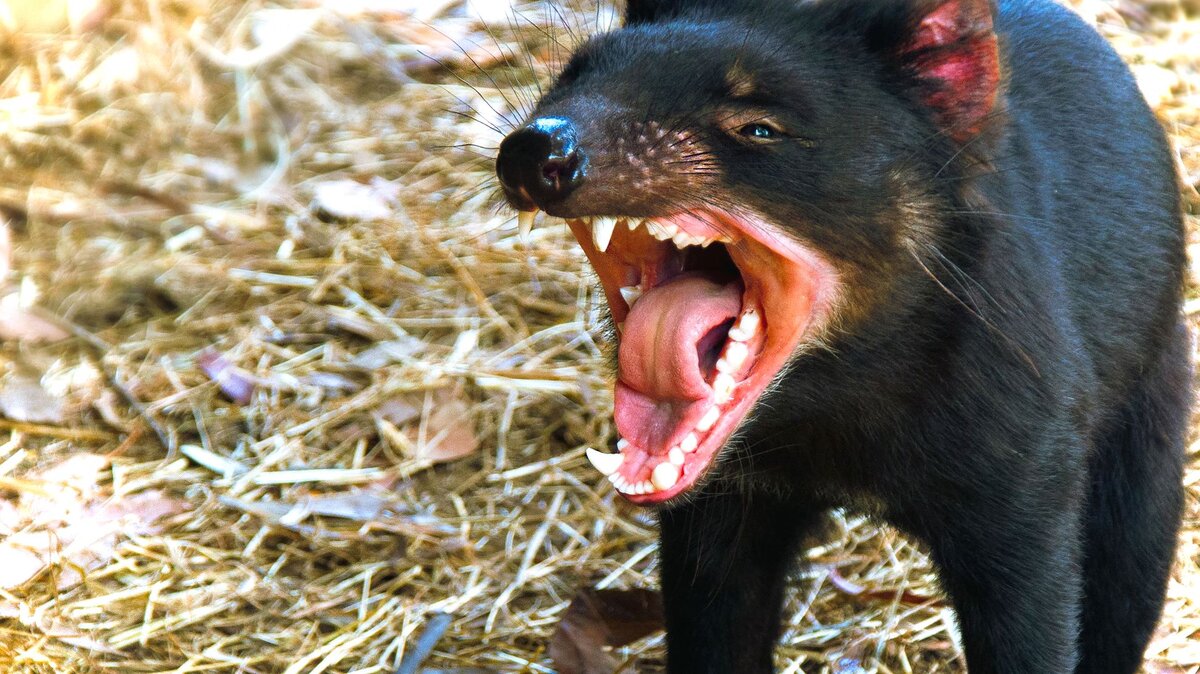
(541,162)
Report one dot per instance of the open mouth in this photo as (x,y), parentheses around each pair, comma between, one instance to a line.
(709,306)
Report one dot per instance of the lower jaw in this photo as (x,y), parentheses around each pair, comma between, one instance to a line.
(700,463)
(788,304)
(704,425)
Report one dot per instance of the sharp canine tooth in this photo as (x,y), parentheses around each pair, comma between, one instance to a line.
(525,223)
(709,419)
(602,232)
(665,476)
(675,456)
(631,294)
(605,463)
(690,443)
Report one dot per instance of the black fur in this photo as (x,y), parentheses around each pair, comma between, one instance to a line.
(1007,375)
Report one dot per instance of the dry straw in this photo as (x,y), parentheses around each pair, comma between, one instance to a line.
(291,302)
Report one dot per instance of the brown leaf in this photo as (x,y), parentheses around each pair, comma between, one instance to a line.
(18,324)
(88,542)
(24,399)
(397,411)
(351,200)
(332,382)
(599,618)
(16,321)
(235,383)
(449,434)
(358,504)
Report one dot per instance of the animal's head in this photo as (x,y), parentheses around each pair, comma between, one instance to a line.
(746,177)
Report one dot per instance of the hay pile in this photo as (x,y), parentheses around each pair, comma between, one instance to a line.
(278,383)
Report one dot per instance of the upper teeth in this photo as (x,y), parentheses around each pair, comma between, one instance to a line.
(602,232)
(604,225)
(525,223)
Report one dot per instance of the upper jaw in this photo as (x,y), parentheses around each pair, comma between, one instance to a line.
(603,227)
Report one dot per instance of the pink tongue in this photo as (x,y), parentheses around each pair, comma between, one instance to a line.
(658,361)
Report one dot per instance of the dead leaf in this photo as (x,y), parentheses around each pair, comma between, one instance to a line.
(351,200)
(603,618)
(18,563)
(24,399)
(18,324)
(332,382)
(114,76)
(449,433)
(291,515)
(359,504)
(88,542)
(235,383)
(397,411)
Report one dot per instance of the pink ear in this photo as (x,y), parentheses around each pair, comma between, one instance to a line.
(954,55)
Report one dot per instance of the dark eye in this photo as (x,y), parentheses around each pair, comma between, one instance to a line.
(758,131)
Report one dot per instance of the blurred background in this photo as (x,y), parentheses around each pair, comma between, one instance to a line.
(282,391)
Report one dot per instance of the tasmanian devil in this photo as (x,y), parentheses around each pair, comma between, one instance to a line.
(921,259)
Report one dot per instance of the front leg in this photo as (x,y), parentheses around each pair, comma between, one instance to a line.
(1012,572)
(724,562)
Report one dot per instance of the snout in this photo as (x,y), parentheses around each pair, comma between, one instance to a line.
(540,164)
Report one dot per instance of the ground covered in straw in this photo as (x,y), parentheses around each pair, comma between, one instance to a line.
(279,386)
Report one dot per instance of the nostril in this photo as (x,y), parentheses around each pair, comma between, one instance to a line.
(560,170)
(540,162)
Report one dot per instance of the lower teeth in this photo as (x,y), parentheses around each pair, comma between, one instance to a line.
(666,474)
